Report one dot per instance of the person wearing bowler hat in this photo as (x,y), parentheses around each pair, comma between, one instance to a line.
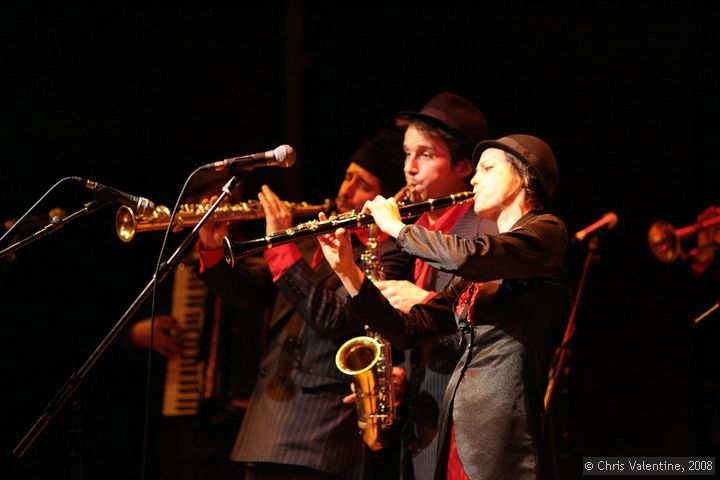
(438,145)
(510,295)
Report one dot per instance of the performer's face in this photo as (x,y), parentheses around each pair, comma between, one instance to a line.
(358,187)
(496,184)
(428,167)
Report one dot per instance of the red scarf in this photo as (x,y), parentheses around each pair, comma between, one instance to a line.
(443,224)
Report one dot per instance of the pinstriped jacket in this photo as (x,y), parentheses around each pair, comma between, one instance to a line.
(296,415)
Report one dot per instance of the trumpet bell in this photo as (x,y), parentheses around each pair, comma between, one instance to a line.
(663,241)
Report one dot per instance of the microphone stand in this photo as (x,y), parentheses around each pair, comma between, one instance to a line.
(707,312)
(56,224)
(76,379)
(557,364)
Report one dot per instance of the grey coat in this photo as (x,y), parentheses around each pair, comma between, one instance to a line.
(494,397)
(429,367)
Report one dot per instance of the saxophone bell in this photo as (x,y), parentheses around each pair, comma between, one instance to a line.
(365,360)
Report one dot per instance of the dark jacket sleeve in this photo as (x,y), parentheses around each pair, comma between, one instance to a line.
(406,330)
(534,247)
(322,304)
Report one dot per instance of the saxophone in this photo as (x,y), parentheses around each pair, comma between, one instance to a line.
(369,360)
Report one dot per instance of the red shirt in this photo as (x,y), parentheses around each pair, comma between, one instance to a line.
(455,469)
(444,224)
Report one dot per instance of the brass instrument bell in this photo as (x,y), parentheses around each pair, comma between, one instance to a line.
(665,241)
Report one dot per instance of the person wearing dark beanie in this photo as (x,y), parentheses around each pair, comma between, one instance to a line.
(383,157)
(296,424)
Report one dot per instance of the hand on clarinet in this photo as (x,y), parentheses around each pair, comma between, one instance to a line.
(338,252)
(386,215)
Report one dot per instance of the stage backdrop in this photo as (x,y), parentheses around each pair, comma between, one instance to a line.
(138,96)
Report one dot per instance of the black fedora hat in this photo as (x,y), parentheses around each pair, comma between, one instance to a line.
(452,112)
(530,150)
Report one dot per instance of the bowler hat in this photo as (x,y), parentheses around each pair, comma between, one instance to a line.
(453,112)
(530,150)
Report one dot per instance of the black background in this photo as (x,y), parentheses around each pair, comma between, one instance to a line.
(137,96)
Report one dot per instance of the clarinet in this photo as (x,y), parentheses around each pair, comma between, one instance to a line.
(350,220)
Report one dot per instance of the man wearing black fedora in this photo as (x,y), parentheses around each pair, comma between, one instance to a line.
(438,145)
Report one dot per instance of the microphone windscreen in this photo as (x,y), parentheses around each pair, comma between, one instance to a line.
(285,156)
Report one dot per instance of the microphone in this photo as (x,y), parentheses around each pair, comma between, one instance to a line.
(103,192)
(606,222)
(283,156)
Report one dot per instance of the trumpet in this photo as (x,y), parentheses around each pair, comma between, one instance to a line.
(349,220)
(666,241)
(127,222)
